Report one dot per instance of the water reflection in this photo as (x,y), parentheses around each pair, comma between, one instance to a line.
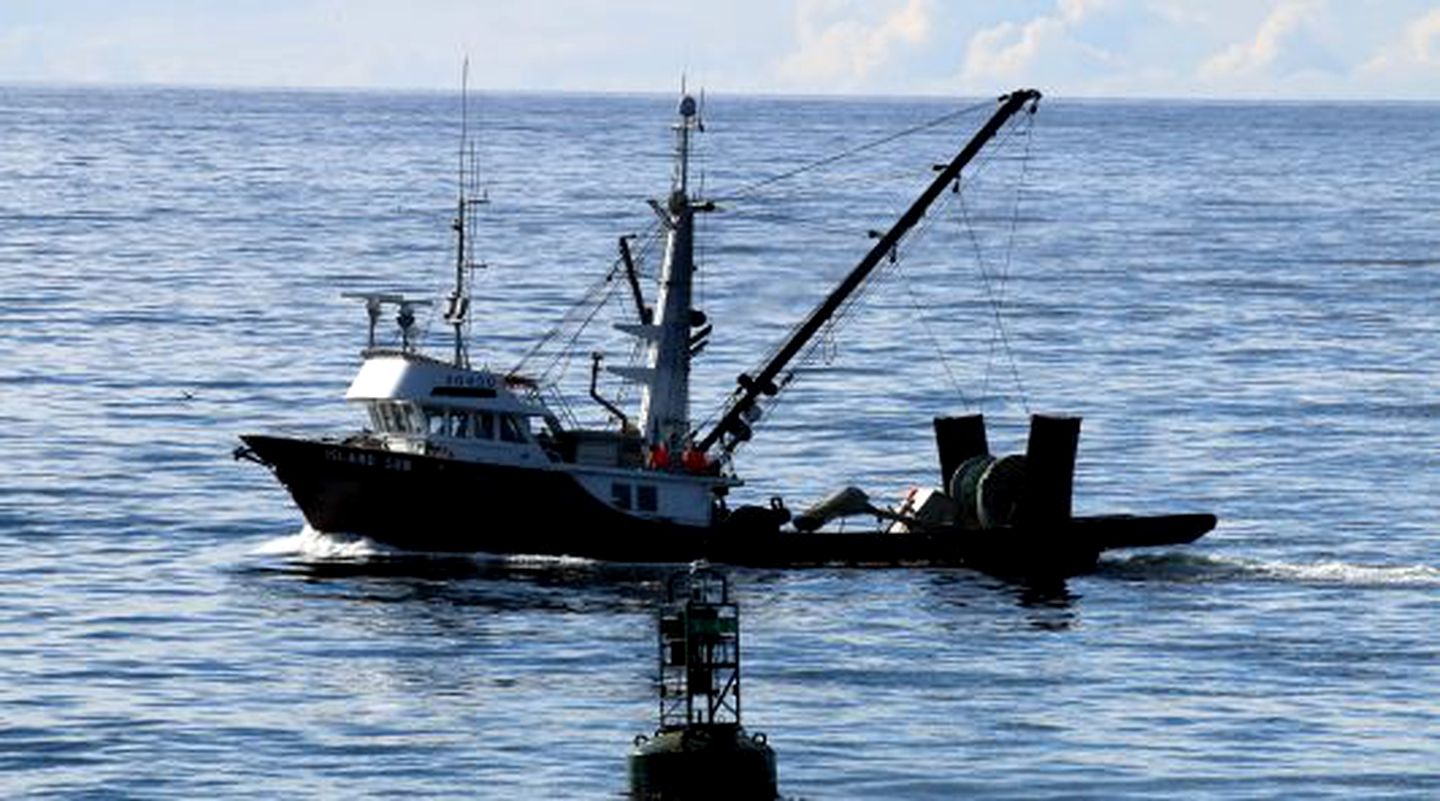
(467,582)
(576,586)
(1047,605)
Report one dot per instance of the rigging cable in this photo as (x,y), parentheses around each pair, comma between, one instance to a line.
(930,335)
(922,228)
(1010,248)
(583,312)
(752,188)
(994,296)
(842,317)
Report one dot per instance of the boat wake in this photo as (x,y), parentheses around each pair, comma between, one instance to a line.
(1413,576)
(1183,567)
(310,544)
(537,560)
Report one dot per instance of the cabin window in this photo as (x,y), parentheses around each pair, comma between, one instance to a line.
(646,498)
(434,421)
(620,495)
(459,424)
(377,420)
(512,429)
(391,417)
(484,425)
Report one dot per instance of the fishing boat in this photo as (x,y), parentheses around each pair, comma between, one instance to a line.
(459,458)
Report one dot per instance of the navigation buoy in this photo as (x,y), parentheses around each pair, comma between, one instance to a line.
(700,751)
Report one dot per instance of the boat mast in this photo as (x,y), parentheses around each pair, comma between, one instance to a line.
(733,425)
(665,376)
(458,304)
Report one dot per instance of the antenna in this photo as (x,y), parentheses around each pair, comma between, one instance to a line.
(464,119)
(458,305)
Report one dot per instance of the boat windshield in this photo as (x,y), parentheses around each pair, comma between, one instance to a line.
(439,421)
(392,417)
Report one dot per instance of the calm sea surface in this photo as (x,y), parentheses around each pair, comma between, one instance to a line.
(1243,301)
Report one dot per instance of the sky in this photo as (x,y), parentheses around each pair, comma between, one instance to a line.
(1262,49)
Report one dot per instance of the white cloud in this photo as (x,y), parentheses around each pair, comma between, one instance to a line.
(1045,46)
(848,49)
(1175,48)
(1418,46)
(1074,11)
(1177,12)
(1423,39)
(1275,32)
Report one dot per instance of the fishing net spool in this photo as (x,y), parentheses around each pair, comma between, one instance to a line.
(1033,488)
(988,490)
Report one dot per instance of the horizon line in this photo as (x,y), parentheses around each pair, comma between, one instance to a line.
(1050,95)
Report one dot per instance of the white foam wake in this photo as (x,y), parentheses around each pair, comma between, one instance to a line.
(309,543)
(1353,574)
(542,560)
(1198,567)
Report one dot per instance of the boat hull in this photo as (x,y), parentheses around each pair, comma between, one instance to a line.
(430,504)
(433,504)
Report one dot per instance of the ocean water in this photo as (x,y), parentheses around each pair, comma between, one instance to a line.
(1240,299)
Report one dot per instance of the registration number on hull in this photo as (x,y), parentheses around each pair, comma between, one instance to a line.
(365,459)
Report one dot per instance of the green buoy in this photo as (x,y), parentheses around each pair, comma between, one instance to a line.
(700,750)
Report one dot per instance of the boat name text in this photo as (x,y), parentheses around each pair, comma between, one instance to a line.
(365,459)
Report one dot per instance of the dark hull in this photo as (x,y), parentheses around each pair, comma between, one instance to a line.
(429,504)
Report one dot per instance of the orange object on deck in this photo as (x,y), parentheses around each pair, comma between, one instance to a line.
(693,459)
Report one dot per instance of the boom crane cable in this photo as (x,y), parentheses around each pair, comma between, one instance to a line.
(755,187)
(971,176)
(809,355)
(752,188)
(995,296)
(1009,252)
(842,317)
(994,299)
(896,269)
(822,348)
(828,226)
